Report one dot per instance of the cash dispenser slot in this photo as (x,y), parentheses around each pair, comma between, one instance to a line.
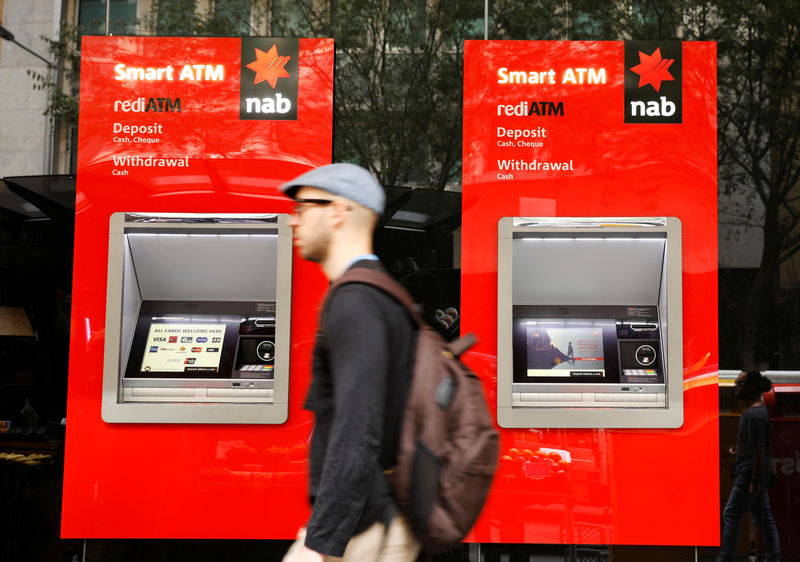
(589,322)
(197,319)
(639,327)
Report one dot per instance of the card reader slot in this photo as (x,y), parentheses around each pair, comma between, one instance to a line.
(240,392)
(626,397)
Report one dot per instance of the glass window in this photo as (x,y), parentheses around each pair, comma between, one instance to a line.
(122,20)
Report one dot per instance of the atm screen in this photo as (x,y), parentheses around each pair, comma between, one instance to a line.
(183,347)
(565,350)
(202,340)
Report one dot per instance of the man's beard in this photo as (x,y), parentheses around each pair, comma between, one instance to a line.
(316,250)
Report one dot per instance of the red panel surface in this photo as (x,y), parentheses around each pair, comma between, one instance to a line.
(186,481)
(622,486)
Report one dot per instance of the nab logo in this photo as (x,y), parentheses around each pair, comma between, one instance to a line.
(653,83)
(268,81)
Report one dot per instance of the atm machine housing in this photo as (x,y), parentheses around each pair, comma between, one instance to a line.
(590,323)
(197,319)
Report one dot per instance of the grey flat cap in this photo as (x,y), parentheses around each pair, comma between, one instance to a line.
(345,180)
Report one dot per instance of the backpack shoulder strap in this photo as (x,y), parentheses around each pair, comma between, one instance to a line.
(462,344)
(383,282)
(394,289)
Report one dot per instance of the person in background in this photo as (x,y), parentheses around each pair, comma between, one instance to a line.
(752,470)
(362,366)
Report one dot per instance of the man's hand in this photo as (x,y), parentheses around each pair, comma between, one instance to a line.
(303,554)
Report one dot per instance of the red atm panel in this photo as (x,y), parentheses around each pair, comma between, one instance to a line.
(165,127)
(551,130)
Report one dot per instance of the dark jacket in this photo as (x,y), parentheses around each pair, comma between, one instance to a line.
(754,432)
(363,361)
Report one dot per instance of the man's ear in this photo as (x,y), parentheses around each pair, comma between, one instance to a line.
(339,210)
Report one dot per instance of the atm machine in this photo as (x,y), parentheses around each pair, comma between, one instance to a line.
(589,323)
(197,319)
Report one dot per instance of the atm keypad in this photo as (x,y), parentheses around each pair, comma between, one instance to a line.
(258,367)
(640,372)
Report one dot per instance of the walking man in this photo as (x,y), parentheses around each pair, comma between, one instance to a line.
(752,471)
(362,366)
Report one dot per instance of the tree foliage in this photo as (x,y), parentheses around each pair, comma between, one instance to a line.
(61,86)
(398,71)
(758,120)
(759,138)
(758,124)
(399,67)
(398,94)
(180,18)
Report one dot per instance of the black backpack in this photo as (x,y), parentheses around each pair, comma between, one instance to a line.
(448,447)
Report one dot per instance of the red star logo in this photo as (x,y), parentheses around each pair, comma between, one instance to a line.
(652,69)
(269,66)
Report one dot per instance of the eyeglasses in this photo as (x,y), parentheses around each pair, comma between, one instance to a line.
(302,204)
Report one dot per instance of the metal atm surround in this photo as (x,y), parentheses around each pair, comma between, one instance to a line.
(234,270)
(607,272)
